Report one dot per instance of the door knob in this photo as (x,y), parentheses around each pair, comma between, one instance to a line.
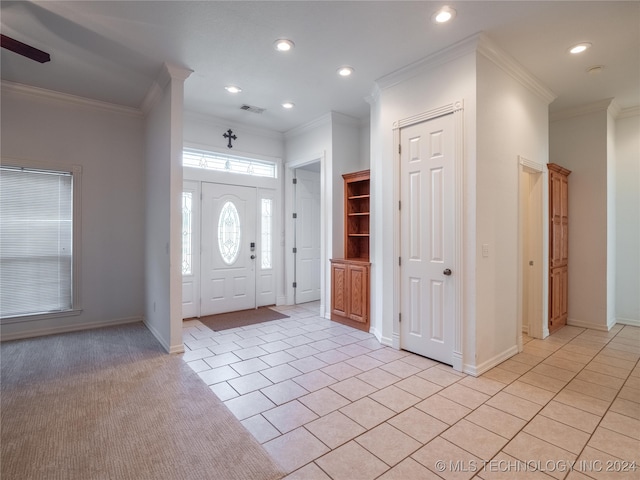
(252,257)
(447,271)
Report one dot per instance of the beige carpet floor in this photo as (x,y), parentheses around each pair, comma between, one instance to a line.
(111,404)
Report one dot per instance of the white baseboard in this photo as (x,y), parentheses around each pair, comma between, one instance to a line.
(634,322)
(477,370)
(593,326)
(40,332)
(179,348)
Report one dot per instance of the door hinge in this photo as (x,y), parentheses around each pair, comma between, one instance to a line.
(399,261)
(399,205)
(295,284)
(295,180)
(399,148)
(295,215)
(295,250)
(400,317)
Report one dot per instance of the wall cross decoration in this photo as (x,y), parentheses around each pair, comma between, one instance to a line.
(230,136)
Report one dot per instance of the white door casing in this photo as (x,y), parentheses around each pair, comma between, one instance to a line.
(307,236)
(228,273)
(427,238)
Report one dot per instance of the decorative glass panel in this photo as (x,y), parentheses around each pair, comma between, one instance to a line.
(226,163)
(187,217)
(229,233)
(266,244)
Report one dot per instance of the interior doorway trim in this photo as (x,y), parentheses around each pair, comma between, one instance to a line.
(289,174)
(456,108)
(532,211)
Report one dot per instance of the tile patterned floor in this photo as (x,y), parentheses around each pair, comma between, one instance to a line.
(329,402)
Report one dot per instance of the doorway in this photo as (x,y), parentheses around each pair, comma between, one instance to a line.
(531,317)
(307,233)
(229,248)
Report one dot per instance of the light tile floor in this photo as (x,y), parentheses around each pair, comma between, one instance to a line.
(330,402)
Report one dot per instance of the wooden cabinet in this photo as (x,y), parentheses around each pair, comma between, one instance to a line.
(350,293)
(558,246)
(350,275)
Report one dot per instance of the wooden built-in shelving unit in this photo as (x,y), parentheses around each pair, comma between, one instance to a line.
(350,275)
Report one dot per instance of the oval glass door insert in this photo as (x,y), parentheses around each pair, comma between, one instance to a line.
(229,233)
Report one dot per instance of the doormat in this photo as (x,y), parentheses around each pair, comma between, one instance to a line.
(242,318)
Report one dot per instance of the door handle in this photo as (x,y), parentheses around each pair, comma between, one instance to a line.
(447,271)
(253,257)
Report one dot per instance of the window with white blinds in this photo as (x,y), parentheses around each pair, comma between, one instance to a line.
(36,241)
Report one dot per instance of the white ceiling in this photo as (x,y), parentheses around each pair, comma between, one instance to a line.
(113,50)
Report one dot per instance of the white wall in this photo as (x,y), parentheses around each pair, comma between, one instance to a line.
(628,217)
(163,236)
(505,116)
(578,141)
(106,141)
(205,132)
(345,141)
(401,95)
(512,122)
(336,139)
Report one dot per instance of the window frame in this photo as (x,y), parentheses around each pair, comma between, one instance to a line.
(76,174)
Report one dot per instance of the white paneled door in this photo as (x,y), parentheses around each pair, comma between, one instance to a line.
(307,241)
(427,238)
(229,248)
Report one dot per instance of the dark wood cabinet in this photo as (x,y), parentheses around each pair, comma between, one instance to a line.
(350,276)
(558,246)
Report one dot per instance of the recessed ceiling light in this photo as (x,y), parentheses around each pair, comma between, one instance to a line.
(232,89)
(579,48)
(283,45)
(288,105)
(345,71)
(444,15)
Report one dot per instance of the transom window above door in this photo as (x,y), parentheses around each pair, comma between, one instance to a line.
(227,163)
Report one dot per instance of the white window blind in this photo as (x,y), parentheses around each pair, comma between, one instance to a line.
(36,236)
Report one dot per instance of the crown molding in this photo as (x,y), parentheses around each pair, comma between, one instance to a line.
(167,73)
(309,126)
(629,112)
(599,106)
(342,119)
(446,55)
(67,99)
(512,67)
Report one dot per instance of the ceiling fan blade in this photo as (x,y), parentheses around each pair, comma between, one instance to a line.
(24,49)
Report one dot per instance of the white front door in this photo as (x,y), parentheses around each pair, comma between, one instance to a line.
(427,291)
(229,250)
(307,241)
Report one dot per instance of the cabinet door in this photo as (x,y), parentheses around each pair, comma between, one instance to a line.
(339,289)
(556,226)
(358,292)
(558,298)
